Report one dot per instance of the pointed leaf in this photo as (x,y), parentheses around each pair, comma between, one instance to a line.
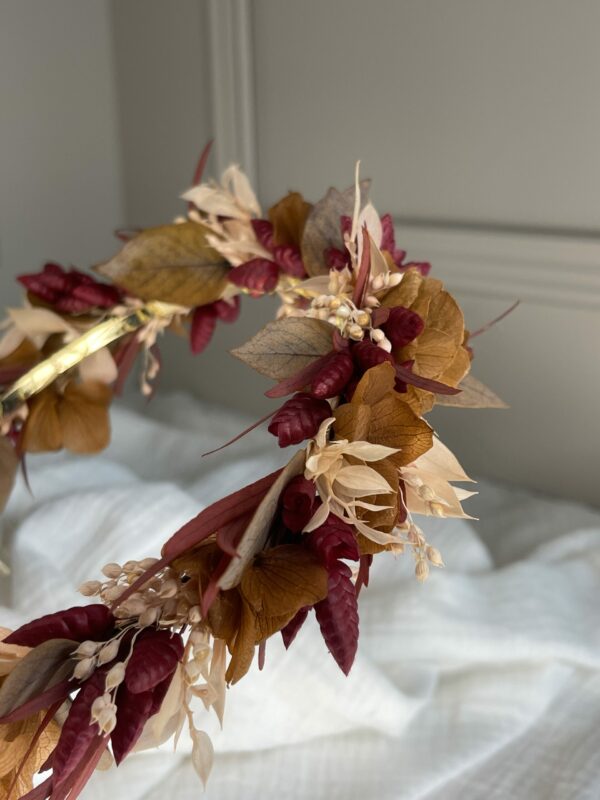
(171,263)
(133,711)
(473,394)
(286,346)
(78,623)
(43,667)
(202,754)
(154,658)
(289,633)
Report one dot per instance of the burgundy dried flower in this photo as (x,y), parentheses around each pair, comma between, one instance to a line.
(70,292)
(334,539)
(331,380)
(133,711)
(298,419)
(78,623)
(154,658)
(258,276)
(288,259)
(388,243)
(263,230)
(290,631)
(204,321)
(337,616)
(367,355)
(298,503)
(403,326)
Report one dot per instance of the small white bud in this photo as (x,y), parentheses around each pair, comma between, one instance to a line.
(363,318)
(108,652)
(112,592)
(355,332)
(115,676)
(434,555)
(111,570)
(394,279)
(378,283)
(371,301)
(131,566)
(84,668)
(437,509)
(335,303)
(377,335)
(146,563)
(385,344)
(107,720)
(192,671)
(87,649)
(194,615)
(343,312)
(135,606)
(90,588)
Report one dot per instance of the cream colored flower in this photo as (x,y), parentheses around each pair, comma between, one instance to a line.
(233,197)
(428,487)
(342,485)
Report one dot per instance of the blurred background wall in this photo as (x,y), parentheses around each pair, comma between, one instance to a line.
(478,122)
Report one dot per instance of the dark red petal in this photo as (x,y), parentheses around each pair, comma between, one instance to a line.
(258,276)
(288,258)
(35,285)
(263,230)
(336,258)
(290,631)
(403,326)
(298,503)
(97,295)
(364,568)
(78,731)
(346,225)
(154,658)
(334,539)
(133,711)
(299,419)
(333,377)
(388,237)
(78,623)
(367,355)
(228,310)
(338,617)
(204,320)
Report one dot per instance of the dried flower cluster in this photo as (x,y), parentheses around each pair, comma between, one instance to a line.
(363,347)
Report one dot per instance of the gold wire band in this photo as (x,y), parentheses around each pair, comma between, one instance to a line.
(72,354)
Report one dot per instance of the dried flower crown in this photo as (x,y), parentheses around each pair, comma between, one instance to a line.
(364,344)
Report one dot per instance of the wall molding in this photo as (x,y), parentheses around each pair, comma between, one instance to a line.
(232,84)
(540,268)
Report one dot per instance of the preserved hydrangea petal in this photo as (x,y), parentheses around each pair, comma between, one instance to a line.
(78,623)
(299,419)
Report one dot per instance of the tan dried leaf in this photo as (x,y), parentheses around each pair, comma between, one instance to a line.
(323,226)
(42,432)
(43,667)
(474,394)
(286,346)
(288,218)
(83,417)
(8,469)
(256,533)
(171,263)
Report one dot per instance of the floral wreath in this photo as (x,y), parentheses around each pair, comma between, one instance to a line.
(363,346)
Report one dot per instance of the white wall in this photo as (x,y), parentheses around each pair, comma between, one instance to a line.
(60,187)
(477,121)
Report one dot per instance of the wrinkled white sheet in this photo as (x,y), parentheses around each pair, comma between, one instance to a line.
(482,683)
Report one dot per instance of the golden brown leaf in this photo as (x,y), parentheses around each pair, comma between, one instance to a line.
(255,535)
(288,218)
(474,394)
(283,580)
(405,293)
(171,263)
(8,469)
(42,432)
(286,346)
(83,416)
(242,651)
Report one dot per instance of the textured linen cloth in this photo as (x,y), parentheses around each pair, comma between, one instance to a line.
(482,683)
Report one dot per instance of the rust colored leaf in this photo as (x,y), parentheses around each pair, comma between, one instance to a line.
(288,218)
(286,346)
(42,433)
(256,533)
(83,416)
(474,394)
(171,263)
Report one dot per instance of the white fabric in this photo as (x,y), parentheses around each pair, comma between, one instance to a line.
(482,683)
